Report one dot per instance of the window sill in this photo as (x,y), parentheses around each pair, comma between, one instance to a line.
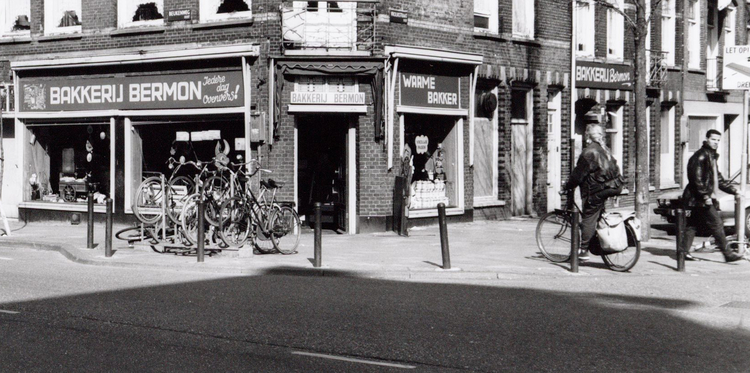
(59,206)
(15,39)
(489,35)
(221,24)
(56,37)
(525,40)
(431,213)
(488,203)
(672,185)
(137,31)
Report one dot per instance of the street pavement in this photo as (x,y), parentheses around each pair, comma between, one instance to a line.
(480,250)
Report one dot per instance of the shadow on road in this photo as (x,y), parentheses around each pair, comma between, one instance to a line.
(433,326)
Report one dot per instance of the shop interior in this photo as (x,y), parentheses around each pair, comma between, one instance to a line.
(432,142)
(63,159)
(322,168)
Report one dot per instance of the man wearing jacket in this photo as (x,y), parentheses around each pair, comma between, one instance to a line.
(595,171)
(704,180)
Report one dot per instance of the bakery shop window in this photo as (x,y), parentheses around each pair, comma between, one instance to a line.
(63,161)
(433,142)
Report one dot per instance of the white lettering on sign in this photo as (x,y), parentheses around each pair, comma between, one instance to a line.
(601,75)
(94,94)
(442,98)
(419,81)
(422,143)
(160,91)
(327,98)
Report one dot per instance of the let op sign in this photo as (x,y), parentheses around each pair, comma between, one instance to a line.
(736,67)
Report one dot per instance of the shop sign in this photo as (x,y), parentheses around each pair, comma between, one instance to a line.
(603,75)
(399,16)
(736,67)
(174,15)
(432,91)
(173,91)
(328,98)
(422,143)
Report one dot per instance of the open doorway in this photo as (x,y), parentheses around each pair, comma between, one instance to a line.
(322,168)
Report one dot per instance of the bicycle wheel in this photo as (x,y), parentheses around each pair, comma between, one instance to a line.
(624,260)
(234,222)
(553,236)
(178,188)
(147,203)
(217,190)
(286,229)
(189,219)
(262,239)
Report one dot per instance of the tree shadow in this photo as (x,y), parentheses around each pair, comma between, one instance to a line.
(234,323)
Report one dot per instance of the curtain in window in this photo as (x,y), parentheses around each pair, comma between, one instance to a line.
(15,16)
(63,13)
(615,31)
(523,18)
(140,10)
(585,27)
(483,7)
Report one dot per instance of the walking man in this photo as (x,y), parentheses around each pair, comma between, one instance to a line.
(704,180)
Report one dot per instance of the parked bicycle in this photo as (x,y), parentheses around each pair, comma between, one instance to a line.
(554,233)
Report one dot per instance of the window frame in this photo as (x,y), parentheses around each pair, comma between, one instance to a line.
(224,17)
(615,31)
(12,14)
(585,26)
(694,35)
(122,10)
(668,36)
(492,200)
(730,26)
(491,13)
(50,21)
(527,32)
(668,124)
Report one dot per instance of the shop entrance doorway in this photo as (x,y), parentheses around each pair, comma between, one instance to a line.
(322,168)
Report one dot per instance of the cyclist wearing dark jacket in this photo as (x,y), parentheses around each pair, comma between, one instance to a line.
(704,179)
(598,175)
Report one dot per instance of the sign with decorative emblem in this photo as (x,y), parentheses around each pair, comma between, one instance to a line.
(173,91)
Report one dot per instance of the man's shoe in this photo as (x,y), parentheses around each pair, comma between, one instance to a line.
(732,257)
(583,255)
(689,258)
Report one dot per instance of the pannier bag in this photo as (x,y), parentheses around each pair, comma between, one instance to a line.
(611,231)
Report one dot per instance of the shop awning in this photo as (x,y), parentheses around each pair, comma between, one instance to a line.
(373,70)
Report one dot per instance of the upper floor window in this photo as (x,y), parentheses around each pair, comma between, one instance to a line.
(62,16)
(730,23)
(523,18)
(694,34)
(615,30)
(14,18)
(668,30)
(225,10)
(485,15)
(585,27)
(135,13)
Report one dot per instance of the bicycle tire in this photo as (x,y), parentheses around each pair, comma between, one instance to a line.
(286,230)
(216,190)
(262,238)
(175,200)
(189,218)
(147,202)
(553,236)
(624,260)
(234,222)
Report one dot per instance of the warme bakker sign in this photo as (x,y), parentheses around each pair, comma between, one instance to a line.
(602,75)
(433,91)
(172,91)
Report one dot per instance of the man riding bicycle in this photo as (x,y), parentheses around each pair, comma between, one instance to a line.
(598,176)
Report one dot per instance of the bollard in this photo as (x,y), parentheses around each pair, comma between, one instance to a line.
(444,236)
(575,241)
(108,230)
(318,236)
(680,238)
(201,229)
(90,231)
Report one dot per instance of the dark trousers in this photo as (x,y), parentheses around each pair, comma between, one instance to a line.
(593,206)
(708,217)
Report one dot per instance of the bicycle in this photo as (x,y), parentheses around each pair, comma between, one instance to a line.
(554,233)
(149,201)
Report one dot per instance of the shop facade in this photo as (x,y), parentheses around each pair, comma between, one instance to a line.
(102,124)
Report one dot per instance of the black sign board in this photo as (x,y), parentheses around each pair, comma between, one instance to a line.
(603,75)
(174,15)
(399,16)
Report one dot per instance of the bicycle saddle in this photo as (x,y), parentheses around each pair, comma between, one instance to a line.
(271,183)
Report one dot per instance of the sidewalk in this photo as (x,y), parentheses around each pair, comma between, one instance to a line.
(482,250)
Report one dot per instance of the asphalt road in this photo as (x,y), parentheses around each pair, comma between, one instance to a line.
(61,316)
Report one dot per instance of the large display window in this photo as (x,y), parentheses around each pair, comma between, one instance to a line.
(150,144)
(64,160)
(433,141)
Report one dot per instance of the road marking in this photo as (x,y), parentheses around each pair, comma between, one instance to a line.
(349,359)
(2,258)
(10,312)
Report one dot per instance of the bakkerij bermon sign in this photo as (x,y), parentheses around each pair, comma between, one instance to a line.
(172,91)
(603,75)
(328,98)
(433,91)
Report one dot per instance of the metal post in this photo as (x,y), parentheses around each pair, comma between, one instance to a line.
(90,222)
(201,229)
(108,230)
(575,241)
(318,236)
(680,238)
(444,236)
